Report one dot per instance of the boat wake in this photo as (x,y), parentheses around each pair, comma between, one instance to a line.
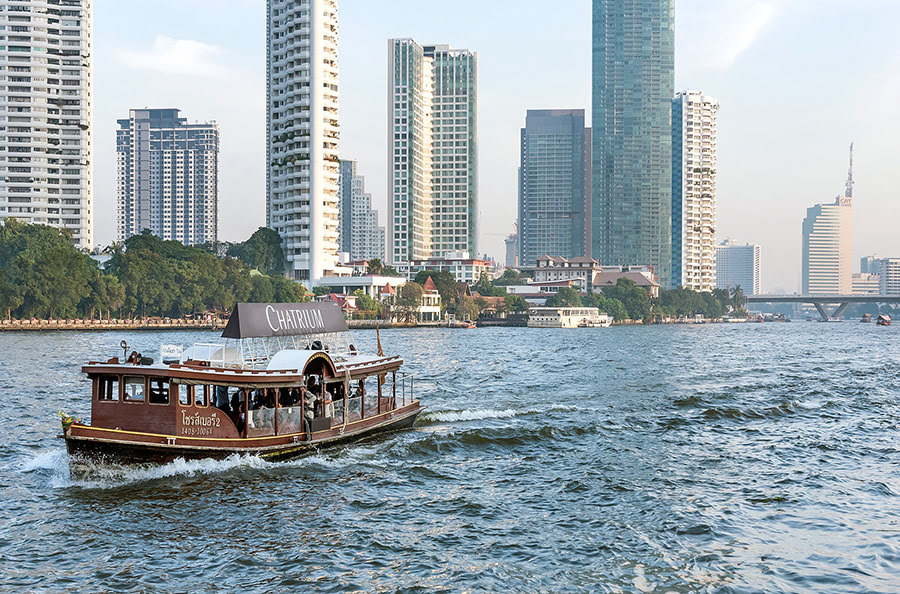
(454,416)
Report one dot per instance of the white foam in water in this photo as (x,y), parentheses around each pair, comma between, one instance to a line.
(450,416)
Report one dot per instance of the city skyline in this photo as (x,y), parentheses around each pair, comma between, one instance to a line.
(743,66)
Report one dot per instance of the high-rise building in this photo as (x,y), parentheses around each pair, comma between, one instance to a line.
(512,249)
(865,283)
(828,248)
(883,272)
(432,143)
(738,266)
(302,128)
(360,235)
(46,153)
(633,86)
(168,176)
(554,185)
(694,156)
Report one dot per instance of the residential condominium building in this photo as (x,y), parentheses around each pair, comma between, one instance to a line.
(46,153)
(694,156)
(827,248)
(737,265)
(168,176)
(432,143)
(554,185)
(302,129)
(632,89)
(360,236)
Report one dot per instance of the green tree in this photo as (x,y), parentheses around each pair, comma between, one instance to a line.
(409,298)
(515,303)
(467,308)
(262,252)
(261,290)
(635,299)
(565,297)
(511,276)
(445,283)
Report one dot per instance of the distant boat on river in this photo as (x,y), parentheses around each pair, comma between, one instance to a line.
(884,320)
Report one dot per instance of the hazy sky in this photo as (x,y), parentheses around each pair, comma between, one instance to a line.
(797,80)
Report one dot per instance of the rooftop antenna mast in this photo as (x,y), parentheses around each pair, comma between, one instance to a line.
(849,191)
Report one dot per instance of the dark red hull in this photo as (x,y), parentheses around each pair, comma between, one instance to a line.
(91,446)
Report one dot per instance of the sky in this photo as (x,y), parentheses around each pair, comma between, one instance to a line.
(797,81)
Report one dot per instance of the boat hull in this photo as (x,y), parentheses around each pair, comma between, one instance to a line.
(89,446)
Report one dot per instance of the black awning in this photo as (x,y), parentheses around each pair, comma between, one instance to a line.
(262,320)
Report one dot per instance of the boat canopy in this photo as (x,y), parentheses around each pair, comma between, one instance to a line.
(265,320)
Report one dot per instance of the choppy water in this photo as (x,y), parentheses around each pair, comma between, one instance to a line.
(665,459)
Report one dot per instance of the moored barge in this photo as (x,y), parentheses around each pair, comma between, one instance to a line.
(285,380)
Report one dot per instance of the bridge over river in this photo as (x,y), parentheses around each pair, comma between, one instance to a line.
(820,301)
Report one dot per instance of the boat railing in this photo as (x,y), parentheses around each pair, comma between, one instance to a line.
(405,393)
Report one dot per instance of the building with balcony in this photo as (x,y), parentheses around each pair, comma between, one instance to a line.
(303,134)
(432,139)
(633,82)
(738,266)
(360,236)
(168,177)
(554,185)
(460,265)
(46,153)
(694,158)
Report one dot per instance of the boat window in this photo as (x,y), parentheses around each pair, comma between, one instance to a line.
(368,389)
(159,391)
(184,395)
(201,395)
(108,388)
(134,389)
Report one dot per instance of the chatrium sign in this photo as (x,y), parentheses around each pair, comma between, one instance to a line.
(263,320)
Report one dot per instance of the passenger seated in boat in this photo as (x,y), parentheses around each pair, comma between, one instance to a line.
(269,400)
(222,398)
(284,397)
(257,401)
(236,400)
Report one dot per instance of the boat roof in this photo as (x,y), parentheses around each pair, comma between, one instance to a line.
(265,320)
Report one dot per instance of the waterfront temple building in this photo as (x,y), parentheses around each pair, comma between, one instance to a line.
(46,153)
(432,139)
(694,158)
(633,83)
(302,135)
(168,177)
(554,185)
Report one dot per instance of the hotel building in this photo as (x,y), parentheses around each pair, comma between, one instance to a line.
(828,248)
(46,147)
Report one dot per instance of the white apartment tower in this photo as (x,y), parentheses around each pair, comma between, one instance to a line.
(828,248)
(45,124)
(302,128)
(168,176)
(432,143)
(694,156)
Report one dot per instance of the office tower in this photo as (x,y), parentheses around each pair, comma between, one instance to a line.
(827,248)
(633,86)
(865,283)
(432,142)
(168,176)
(554,185)
(302,128)
(738,266)
(512,249)
(360,235)
(46,154)
(694,157)
(883,272)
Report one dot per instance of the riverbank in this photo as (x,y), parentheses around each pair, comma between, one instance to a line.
(35,325)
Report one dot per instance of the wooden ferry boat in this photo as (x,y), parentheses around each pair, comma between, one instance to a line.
(285,380)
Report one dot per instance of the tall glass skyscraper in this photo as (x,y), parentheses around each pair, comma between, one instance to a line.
(633,86)
(554,185)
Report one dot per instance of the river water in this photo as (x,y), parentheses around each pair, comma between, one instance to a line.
(719,458)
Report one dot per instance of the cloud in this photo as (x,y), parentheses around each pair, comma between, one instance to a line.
(717,34)
(179,56)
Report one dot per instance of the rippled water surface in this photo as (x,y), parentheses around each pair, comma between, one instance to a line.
(718,458)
